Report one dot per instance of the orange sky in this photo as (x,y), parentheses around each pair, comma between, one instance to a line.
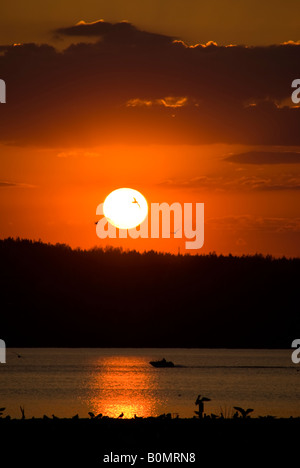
(57,192)
(252,22)
(81,123)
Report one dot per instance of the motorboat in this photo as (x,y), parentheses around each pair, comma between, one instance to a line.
(162,363)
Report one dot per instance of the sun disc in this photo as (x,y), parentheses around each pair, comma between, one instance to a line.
(125,208)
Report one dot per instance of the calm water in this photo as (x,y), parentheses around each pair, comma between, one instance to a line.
(111,381)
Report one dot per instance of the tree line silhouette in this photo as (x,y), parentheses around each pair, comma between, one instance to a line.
(52,295)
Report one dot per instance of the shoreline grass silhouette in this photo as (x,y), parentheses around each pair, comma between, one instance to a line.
(84,442)
(240,413)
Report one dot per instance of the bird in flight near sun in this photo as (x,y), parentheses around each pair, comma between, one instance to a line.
(135,201)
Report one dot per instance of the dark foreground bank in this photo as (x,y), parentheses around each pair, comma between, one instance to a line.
(147,442)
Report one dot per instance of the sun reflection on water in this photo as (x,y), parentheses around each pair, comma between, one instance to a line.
(123,386)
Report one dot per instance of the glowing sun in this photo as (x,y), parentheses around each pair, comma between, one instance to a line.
(125,208)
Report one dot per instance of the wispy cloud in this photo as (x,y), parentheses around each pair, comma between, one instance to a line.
(77,153)
(265,157)
(6,184)
(230,182)
(169,101)
(254,223)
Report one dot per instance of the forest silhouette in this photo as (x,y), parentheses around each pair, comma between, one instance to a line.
(52,295)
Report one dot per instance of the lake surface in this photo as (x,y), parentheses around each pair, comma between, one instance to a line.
(65,382)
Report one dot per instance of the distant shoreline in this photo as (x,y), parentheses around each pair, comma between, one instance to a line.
(149,347)
(53,296)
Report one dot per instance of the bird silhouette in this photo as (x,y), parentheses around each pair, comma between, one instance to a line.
(121,415)
(17,354)
(135,201)
(200,404)
(243,412)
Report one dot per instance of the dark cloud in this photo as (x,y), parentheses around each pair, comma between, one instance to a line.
(114,32)
(96,28)
(91,94)
(265,157)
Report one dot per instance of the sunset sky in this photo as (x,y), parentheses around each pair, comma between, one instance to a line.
(183,101)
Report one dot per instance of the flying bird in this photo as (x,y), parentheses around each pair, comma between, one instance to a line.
(135,201)
(17,354)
